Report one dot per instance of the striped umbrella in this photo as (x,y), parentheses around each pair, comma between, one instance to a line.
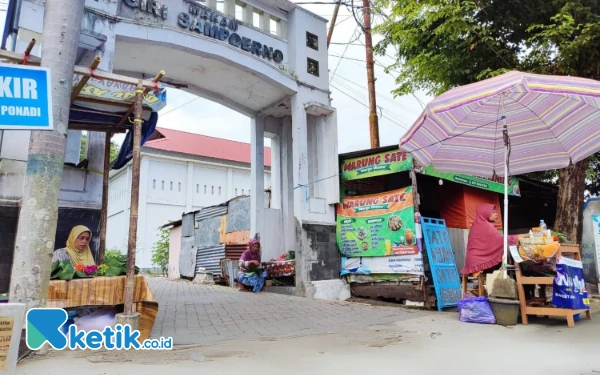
(535,122)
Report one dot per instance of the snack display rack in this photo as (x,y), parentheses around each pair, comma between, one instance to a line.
(529,308)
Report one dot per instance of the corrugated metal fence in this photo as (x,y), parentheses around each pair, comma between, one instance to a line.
(209,258)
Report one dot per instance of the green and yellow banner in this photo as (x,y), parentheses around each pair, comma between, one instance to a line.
(375,165)
(476,182)
(377,224)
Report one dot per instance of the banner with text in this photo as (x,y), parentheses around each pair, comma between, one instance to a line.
(476,182)
(408,264)
(375,165)
(377,225)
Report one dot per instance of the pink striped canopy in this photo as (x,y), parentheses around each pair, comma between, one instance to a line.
(551,120)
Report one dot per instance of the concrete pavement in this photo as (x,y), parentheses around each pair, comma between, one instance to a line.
(198,314)
(424,345)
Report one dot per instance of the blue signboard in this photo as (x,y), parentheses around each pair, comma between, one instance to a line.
(25,98)
(441,262)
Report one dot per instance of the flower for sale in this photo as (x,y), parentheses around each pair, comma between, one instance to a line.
(90,270)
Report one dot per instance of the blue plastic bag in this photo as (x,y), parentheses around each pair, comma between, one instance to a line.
(568,288)
(476,310)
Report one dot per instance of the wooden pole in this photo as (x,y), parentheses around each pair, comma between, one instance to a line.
(373,121)
(104,212)
(84,79)
(417,202)
(135,196)
(332,24)
(145,91)
(28,51)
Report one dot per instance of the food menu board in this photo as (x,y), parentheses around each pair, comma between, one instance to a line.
(377,224)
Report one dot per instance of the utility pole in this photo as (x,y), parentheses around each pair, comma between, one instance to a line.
(332,22)
(373,121)
(36,232)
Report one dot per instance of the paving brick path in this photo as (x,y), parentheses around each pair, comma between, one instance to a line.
(197,314)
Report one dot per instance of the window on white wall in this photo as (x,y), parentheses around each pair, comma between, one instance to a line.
(256,20)
(179,186)
(212,190)
(219,190)
(163,184)
(153,184)
(171,185)
(236,192)
(197,188)
(204,189)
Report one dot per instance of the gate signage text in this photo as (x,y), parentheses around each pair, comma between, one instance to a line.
(202,20)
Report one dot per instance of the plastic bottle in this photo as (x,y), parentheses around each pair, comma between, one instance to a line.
(543,226)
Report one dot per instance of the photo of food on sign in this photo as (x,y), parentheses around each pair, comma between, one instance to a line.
(377,225)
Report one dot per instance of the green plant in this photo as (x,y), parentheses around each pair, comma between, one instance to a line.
(114,149)
(115,263)
(160,251)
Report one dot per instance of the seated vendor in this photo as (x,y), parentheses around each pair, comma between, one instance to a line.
(78,248)
(250,273)
(485,246)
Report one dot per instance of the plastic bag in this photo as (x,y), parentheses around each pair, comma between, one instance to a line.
(568,288)
(475,310)
(98,320)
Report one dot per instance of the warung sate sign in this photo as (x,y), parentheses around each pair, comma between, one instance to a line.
(377,225)
(375,165)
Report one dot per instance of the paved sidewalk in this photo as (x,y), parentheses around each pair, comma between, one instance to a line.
(197,314)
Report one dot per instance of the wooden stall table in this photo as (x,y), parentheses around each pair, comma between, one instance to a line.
(569,251)
(105,291)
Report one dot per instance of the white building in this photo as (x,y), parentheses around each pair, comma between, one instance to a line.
(266,59)
(180,172)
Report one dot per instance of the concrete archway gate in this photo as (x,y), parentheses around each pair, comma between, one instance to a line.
(266,59)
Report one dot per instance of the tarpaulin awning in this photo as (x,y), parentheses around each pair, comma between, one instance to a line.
(91,119)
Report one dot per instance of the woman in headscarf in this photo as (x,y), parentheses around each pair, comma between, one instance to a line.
(250,273)
(78,248)
(485,246)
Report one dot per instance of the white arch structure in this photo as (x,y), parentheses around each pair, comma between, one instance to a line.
(274,71)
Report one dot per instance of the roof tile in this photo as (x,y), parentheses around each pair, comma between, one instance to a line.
(202,145)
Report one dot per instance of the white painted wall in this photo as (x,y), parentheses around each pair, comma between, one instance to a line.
(164,196)
(174,250)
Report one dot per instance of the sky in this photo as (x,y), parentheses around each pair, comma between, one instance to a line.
(349,93)
(348,81)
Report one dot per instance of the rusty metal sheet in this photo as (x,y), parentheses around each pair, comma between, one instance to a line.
(234,252)
(187,257)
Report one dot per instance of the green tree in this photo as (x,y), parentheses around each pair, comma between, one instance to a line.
(114,149)
(441,44)
(160,251)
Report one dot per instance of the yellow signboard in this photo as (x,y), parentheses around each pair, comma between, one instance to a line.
(6,329)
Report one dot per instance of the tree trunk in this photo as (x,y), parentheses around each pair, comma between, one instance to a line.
(39,209)
(569,213)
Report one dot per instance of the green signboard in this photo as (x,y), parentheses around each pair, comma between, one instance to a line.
(377,225)
(476,182)
(375,165)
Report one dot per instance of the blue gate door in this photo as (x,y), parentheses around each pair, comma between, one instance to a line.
(441,262)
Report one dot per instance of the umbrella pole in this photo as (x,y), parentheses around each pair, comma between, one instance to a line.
(505,226)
